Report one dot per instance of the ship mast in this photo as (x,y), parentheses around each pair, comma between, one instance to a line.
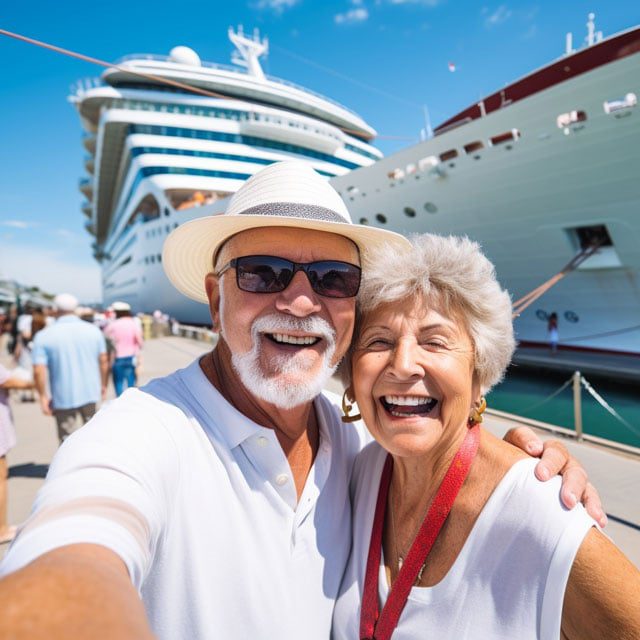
(248,50)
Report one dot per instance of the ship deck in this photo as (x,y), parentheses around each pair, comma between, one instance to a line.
(616,475)
(612,365)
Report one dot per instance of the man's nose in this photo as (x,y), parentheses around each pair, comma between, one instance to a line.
(405,362)
(298,298)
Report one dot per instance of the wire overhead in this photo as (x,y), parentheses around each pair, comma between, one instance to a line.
(162,80)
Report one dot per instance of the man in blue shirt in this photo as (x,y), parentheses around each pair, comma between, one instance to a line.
(74,354)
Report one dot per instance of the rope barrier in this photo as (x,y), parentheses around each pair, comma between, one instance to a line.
(549,397)
(607,406)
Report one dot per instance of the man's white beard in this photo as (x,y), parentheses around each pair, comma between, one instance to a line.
(277,389)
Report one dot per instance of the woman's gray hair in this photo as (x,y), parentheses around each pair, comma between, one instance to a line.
(453,273)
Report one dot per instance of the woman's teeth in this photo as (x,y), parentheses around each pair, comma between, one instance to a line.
(283,338)
(402,406)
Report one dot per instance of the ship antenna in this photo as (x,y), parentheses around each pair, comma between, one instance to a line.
(248,50)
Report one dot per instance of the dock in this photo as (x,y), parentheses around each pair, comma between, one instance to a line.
(615,474)
(611,365)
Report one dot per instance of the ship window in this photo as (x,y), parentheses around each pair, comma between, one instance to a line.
(621,105)
(473,146)
(364,220)
(593,235)
(507,136)
(159,258)
(449,155)
(569,118)
(410,212)
(429,207)
(147,209)
(380,217)
(427,163)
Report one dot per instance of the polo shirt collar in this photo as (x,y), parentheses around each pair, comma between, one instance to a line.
(232,425)
(229,423)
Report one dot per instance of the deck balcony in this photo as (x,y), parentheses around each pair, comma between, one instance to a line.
(87,208)
(89,142)
(86,187)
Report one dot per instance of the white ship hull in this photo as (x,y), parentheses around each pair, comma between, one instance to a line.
(524,199)
(520,202)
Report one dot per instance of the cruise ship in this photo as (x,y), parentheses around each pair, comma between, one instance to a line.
(541,172)
(169,138)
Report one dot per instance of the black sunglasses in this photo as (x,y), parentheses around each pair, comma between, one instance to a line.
(270,274)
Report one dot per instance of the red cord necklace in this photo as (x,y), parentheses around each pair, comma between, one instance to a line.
(379,626)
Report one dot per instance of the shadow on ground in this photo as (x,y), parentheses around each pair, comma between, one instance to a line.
(28,470)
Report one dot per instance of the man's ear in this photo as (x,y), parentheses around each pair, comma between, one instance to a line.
(212,287)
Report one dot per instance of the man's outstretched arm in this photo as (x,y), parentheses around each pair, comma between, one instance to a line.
(77,591)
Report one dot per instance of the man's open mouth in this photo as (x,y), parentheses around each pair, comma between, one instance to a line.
(405,406)
(296,341)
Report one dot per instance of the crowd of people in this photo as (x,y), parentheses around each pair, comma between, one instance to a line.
(64,354)
(236,498)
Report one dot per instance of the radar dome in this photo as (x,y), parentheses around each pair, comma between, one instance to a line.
(185,55)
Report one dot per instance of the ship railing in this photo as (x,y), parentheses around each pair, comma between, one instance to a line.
(235,69)
(577,382)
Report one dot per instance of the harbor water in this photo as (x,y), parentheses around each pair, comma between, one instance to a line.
(540,395)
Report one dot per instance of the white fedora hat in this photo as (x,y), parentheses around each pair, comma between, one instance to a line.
(283,194)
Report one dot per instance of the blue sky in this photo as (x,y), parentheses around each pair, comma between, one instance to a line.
(383,58)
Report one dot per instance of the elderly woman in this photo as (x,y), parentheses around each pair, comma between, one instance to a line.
(453,537)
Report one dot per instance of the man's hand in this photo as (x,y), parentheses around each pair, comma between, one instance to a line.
(555,459)
(45,405)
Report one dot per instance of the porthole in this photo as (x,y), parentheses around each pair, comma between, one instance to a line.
(429,207)
(380,217)
(364,220)
(410,212)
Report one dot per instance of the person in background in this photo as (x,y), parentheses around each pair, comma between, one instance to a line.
(552,328)
(72,354)
(8,381)
(125,334)
(22,351)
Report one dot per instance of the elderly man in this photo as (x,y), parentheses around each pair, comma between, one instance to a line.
(74,355)
(218,493)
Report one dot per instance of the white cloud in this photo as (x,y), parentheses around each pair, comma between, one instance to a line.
(17,224)
(276,5)
(352,16)
(531,32)
(51,270)
(500,15)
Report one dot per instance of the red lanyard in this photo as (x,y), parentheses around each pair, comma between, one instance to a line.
(379,626)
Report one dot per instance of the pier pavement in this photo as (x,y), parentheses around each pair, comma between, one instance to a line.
(616,475)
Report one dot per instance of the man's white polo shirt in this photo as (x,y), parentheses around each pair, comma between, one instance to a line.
(200,504)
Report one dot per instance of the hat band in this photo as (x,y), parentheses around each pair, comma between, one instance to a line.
(294,210)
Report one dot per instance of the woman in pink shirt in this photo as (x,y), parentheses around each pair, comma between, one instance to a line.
(126,336)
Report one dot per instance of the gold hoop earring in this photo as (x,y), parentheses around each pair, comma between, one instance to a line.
(346,409)
(476,412)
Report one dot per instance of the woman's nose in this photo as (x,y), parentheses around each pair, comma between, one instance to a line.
(406,361)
